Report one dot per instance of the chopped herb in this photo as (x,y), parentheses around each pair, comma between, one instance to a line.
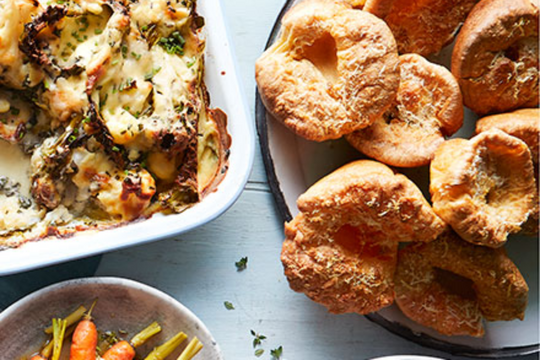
(15,111)
(98,31)
(46,84)
(115,149)
(114,62)
(86,120)
(25,202)
(276,353)
(144,28)
(179,108)
(149,77)
(72,138)
(228,305)
(259,352)
(124,51)
(241,264)
(174,44)
(126,108)
(136,56)
(192,62)
(258,338)
(126,172)
(3,121)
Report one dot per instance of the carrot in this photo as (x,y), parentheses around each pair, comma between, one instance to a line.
(122,350)
(38,357)
(85,338)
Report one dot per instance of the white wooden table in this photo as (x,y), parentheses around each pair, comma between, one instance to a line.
(198,268)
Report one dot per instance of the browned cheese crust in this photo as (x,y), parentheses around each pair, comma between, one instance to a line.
(422,26)
(428,107)
(525,125)
(498,290)
(341,249)
(496,56)
(484,187)
(333,70)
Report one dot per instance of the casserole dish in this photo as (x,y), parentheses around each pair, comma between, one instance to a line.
(222,83)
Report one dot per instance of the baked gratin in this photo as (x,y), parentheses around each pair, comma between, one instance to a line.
(107,99)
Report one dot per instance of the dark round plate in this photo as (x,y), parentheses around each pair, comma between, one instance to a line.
(293,164)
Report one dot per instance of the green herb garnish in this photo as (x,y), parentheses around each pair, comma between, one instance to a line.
(241,264)
(174,44)
(228,305)
(258,338)
(276,353)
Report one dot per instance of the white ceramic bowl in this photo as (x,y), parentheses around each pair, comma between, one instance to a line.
(122,304)
(222,80)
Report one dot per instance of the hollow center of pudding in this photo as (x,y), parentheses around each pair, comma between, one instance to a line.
(359,241)
(323,54)
(500,188)
(455,284)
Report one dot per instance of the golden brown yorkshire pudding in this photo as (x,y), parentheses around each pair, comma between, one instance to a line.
(333,70)
(496,56)
(484,187)
(427,108)
(525,125)
(422,26)
(341,249)
(450,285)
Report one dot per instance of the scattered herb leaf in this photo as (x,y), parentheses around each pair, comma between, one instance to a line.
(228,305)
(276,353)
(241,264)
(259,352)
(258,338)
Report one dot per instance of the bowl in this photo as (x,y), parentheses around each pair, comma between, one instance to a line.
(222,81)
(122,304)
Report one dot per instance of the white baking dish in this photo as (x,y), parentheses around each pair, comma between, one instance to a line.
(225,92)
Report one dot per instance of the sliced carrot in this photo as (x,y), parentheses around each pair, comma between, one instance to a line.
(122,350)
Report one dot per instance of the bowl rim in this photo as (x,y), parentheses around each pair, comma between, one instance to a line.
(285,214)
(114,281)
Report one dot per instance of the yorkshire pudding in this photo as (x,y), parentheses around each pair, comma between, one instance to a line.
(450,285)
(484,187)
(341,249)
(333,70)
(422,26)
(495,58)
(525,125)
(428,107)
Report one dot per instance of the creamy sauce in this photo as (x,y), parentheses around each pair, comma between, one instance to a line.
(15,165)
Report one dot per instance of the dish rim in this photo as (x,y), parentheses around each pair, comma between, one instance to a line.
(285,214)
(114,281)
(243,149)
